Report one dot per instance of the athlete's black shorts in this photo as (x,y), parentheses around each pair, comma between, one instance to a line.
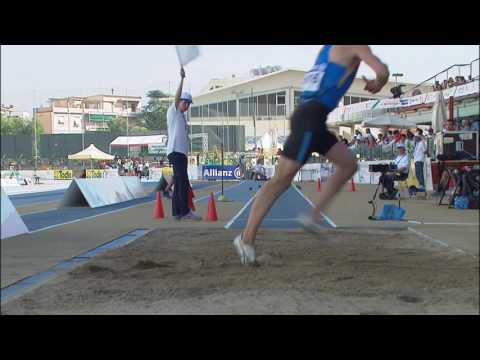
(309,132)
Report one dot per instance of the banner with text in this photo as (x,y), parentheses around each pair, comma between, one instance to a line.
(214,172)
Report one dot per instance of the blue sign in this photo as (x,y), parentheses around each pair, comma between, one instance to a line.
(214,172)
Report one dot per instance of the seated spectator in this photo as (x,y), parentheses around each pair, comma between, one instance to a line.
(358,136)
(451,82)
(437,86)
(430,132)
(465,126)
(396,136)
(475,125)
(380,139)
(401,173)
(449,126)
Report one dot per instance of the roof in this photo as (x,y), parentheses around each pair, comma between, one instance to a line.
(248,81)
(139,140)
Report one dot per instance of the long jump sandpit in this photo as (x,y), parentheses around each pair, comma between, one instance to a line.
(189,270)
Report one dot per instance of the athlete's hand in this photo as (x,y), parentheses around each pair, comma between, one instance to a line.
(182,72)
(373,86)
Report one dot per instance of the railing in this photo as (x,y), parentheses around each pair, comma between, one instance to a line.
(384,152)
(471,76)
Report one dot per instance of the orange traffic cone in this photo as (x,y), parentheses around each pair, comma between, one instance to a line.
(158,211)
(191,195)
(319,185)
(352,185)
(212,211)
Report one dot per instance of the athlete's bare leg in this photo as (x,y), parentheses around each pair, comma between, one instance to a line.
(345,167)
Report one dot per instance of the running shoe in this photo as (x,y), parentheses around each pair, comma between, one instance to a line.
(307,223)
(245,251)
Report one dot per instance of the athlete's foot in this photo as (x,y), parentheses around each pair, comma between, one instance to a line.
(311,224)
(245,251)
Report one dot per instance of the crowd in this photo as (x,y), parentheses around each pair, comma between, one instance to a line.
(451,82)
(128,166)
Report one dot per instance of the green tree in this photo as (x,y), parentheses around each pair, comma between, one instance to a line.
(13,125)
(155,112)
(118,125)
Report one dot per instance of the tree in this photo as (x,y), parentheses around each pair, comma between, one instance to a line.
(118,125)
(155,113)
(13,125)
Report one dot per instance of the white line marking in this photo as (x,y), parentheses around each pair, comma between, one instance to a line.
(332,224)
(427,237)
(106,213)
(438,241)
(239,213)
(451,223)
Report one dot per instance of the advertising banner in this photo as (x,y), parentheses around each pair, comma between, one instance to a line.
(214,172)
(95,173)
(62,174)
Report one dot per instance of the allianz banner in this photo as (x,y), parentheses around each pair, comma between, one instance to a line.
(214,172)
(62,174)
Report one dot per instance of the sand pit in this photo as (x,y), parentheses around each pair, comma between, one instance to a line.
(195,271)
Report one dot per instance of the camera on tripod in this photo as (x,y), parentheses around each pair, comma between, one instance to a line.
(382,168)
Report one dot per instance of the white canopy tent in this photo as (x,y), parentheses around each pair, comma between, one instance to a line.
(91,153)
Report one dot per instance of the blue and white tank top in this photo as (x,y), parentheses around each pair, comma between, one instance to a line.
(326,81)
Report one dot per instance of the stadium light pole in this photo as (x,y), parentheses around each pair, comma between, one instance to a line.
(397,75)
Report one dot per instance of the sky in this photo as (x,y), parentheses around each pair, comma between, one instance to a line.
(32,74)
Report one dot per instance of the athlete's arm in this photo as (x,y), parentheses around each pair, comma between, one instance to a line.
(365,54)
(179,90)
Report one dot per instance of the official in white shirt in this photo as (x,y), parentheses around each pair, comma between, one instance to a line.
(419,158)
(177,150)
(401,173)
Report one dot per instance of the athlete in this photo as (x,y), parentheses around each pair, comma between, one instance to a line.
(324,85)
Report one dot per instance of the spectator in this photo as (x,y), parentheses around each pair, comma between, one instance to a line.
(410,144)
(370,139)
(396,136)
(419,158)
(358,137)
(449,126)
(475,125)
(430,132)
(465,126)
(402,140)
(380,139)
(345,141)
(401,173)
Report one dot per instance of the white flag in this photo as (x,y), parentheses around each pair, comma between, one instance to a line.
(187,53)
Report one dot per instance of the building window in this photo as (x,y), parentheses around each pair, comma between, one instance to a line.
(272,104)
(232,108)
(262,105)
(346,100)
(354,99)
(281,103)
(297,95)
(252,105)
(243,107)
(205,110)
(195,111)
(212,110)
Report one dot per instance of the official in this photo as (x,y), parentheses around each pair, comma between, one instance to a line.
(401,174)
(177,150)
